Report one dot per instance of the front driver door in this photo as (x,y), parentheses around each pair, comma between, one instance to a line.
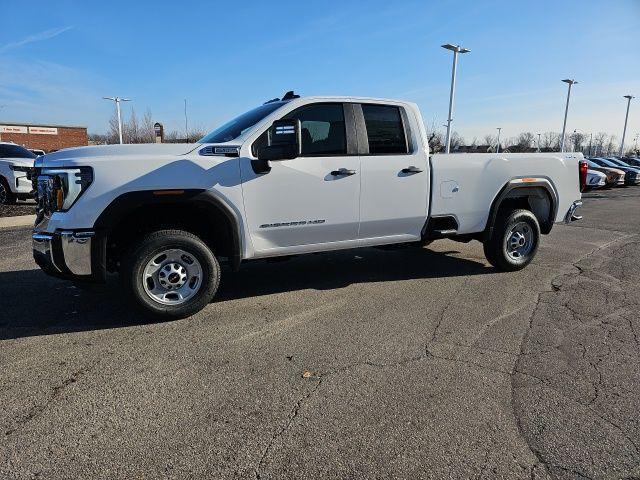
(312,199)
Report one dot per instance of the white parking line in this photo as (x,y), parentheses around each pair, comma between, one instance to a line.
(19,221)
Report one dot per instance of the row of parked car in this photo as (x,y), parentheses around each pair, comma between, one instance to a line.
(607,172)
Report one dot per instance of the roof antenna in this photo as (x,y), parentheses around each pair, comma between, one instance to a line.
(290,96)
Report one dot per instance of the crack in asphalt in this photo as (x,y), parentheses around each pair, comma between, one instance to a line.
(292,415)
(57,390)
(428,353)
(443,312)
(555,289)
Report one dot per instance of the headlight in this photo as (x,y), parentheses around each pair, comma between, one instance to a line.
(17,168)
(59,188)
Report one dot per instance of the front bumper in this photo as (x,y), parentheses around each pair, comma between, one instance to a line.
(74,255)
(571,216)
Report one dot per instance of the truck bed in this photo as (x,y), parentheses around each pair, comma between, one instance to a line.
(464,185)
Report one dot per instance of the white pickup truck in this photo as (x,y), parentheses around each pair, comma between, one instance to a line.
(292,176)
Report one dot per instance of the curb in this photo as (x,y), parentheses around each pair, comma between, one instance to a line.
(19,221)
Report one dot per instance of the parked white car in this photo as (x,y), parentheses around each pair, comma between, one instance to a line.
(15,163)
(596,179)
(292,176)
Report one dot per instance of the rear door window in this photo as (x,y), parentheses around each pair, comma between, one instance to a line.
(385,129)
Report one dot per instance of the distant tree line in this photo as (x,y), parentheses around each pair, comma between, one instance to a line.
(142,131)
(600,143)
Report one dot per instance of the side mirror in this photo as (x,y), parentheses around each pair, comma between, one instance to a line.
(284,141)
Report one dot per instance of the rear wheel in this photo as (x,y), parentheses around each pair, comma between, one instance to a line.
(6,196)
(514,240)
(170,274)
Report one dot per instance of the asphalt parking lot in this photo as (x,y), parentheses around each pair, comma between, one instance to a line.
(361,364)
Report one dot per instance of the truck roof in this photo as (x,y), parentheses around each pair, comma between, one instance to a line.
(346,98)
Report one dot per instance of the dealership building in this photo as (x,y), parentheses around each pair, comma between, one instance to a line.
(43,136)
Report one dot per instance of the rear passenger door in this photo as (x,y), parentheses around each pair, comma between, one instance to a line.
(395,174)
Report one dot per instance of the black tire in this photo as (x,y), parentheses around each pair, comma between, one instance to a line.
(153,245)
(7,197)
(497,248)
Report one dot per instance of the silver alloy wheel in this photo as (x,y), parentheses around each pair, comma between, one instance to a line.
(172,277)
(3,194)
(519,241)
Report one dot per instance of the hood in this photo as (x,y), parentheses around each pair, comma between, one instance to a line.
(19,162)
(96,152)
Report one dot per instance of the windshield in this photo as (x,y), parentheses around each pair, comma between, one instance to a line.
(240,124)
(620,162)
(14,151)
(609,163)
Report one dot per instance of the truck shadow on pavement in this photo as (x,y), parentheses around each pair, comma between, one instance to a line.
(35,304)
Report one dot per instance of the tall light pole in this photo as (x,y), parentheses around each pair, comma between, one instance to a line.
(2,106)
(566,110)
(186,123)
(538,143)
(118,100)
(456,49)
(498,142)
(626,117)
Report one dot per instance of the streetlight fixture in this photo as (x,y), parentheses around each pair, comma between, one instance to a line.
(456,49)
(626,117)
(498,142)
(566,110)
(117,100)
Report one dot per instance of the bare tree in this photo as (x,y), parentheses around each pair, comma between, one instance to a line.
(196,133)
(97,138)
(577,141)
(550,140)
(456,140)
(112,133)
(612,145)
(131,130)
(599,140)
(147,132)
(436,142)
(489,140)
(525,140)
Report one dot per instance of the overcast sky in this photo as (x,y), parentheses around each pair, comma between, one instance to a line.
(57,59)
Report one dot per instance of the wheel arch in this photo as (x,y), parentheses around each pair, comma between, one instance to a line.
(537,195)
(195,210)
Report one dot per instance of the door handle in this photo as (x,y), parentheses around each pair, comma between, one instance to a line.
(343,171)
(411,169)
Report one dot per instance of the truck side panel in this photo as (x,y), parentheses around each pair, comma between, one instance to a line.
(465,185)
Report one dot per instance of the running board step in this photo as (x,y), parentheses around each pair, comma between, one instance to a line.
(445,233)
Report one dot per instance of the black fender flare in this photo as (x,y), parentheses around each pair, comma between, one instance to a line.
(523,183)
(130,201)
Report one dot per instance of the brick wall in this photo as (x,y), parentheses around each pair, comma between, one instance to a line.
(66,137)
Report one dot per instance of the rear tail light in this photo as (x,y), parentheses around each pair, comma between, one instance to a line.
(582,172)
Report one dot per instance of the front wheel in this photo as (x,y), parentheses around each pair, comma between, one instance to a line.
(6,196)
(514,240)
(170,274)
